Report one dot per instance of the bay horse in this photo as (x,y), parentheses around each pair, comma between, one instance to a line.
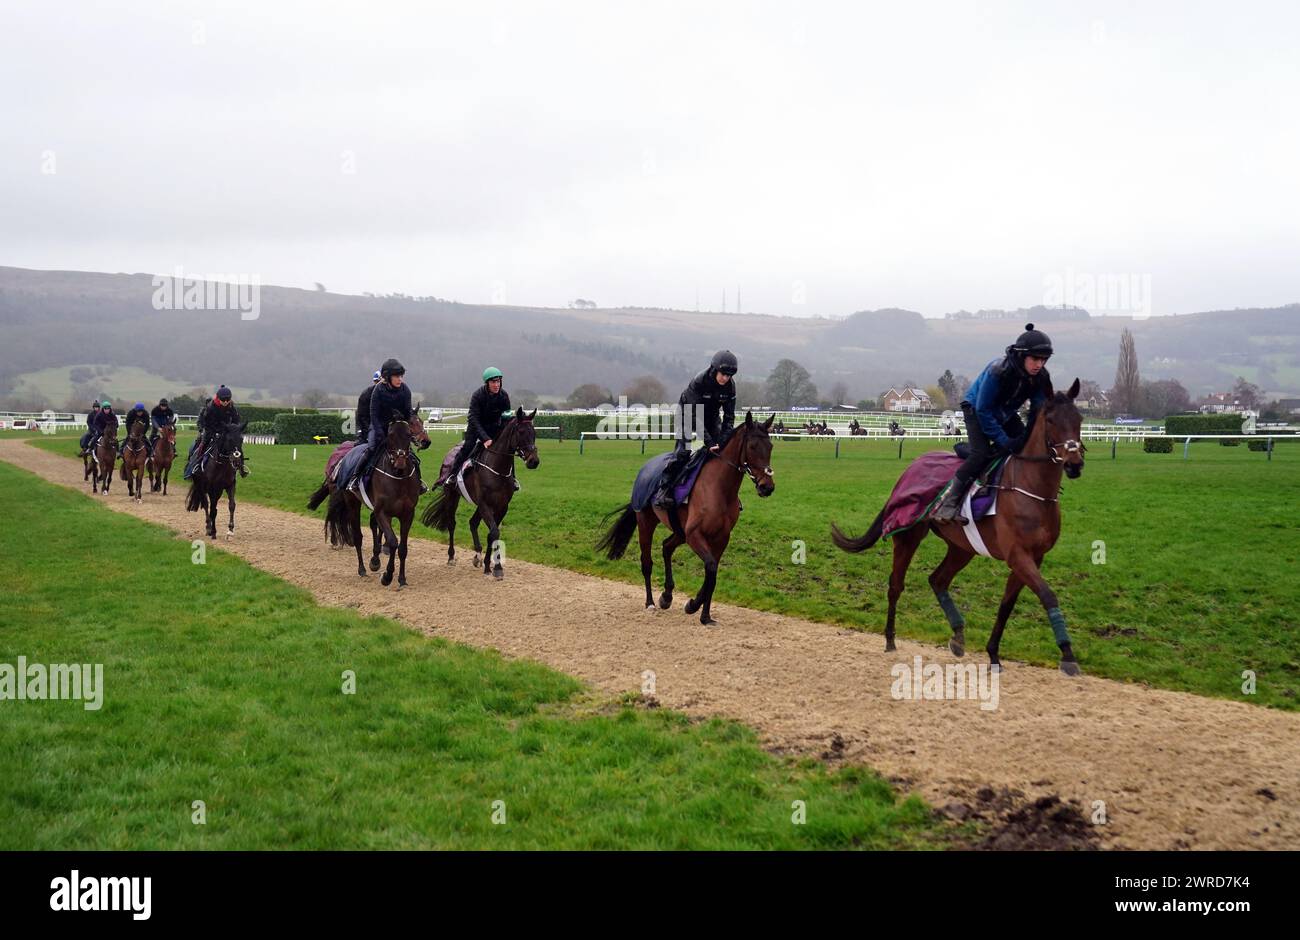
(135,455)
(218,475)
(1024,529)
(394,492)
(710,515)
(160,462)
(490,483)
(99,462)
(418,436)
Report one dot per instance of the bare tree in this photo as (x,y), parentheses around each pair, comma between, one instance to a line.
(1128,384)
(645,390)
(1246,394)
(789,384)
(839,393)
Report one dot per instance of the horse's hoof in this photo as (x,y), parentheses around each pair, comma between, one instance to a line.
(692,606)
(1070,668)
(374,564)
(957,647)
(451,562)
(387,579)
(651,609)
(708,622)
(477,561)
(361,572)
(499,574)
(995,667)
(665,601)
(890,647)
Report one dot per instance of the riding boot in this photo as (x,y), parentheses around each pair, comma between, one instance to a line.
(949,510)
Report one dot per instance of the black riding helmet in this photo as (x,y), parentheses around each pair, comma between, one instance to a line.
(390,368)
(1031,342)
(163,402)
(223,394)
(724,361)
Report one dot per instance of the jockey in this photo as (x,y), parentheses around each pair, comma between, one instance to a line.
(160,417)
(991,406)
(390,401)
(489,410)
(217,415)
(90,428)
(363,409)
(101,422)
(136,414)
(714,391)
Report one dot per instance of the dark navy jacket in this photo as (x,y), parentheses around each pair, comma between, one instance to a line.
(103,422)
(216,418)
(386,405)
(135,415)
(718,400)
(999,392)
(160,417)
(363,413)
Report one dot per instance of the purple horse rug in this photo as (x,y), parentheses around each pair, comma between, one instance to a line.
(918,490)
(332,464)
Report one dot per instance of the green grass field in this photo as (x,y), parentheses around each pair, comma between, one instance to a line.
(224,684)
(1201,579)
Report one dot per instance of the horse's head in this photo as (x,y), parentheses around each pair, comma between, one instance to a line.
(756,452)
(418,434)
(525,438)
(168,433)
(1063,426)
(398,444)
(231,443)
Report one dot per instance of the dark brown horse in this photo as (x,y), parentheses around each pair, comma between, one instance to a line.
(490,483)
(420,437)
(1024,529)
(709,516)
(218,475)
(135,455)
(394,492)
(160,462)
(99,462)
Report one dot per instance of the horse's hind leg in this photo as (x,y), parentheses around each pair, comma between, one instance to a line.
(905,545)
(670,545)
(374,541)
(401,549)
(645,530)
(1014,586)
(358,540)
(702,601)
(940,578)
(473,531)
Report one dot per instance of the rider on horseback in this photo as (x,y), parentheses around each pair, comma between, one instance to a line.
(90,428)
(390,401)
(489,410)
(713,391)
(160,417)
(136,415)
(101,422)
(217,415)
(363,409)
(991,406)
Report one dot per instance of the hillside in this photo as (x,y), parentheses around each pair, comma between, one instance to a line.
(55,320)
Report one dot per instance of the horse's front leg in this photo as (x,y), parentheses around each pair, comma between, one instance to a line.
(701,601)
(1014,586)
(390,545)
(473,531)
(230,503)
(406,521)
(670,545)
(374,543)
(492,557)
(1026,569)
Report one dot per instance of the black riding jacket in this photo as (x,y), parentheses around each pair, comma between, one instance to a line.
(719,403)
(363,412)
(388,404)
(484,421)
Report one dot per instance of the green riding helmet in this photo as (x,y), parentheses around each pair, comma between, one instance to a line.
(106,404)
(492,372)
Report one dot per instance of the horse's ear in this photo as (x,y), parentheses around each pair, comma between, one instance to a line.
(767,425)
(749,417)
(418,406)
(533,415)
(1074,390)
(519,413)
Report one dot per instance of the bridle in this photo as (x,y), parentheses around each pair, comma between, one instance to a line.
(394,455)
(1071,446)
(744,469)
(516,451)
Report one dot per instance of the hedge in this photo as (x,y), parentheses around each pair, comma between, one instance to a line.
(1182,425)
(302,428)
(261,427)
(1261,442)
(1229,441)
(1158,445)
(570,425)
(268,412)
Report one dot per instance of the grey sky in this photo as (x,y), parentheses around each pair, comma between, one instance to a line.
(850,155)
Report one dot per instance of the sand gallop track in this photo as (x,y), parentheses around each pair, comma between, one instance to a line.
(1174,770)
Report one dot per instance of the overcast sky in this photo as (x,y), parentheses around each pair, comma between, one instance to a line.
(824,158)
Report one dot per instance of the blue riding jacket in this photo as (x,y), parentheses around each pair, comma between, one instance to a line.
(999,392)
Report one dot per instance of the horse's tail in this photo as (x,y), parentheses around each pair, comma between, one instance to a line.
(195,498)
(319,496)
(440,514)
(337,524)
(614,542)
(862,542)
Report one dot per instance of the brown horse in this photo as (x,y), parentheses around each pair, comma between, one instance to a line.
(420,437)
(99,462)
(218,475)
(135,455)
(1024,529)
(710,515)
(490,483)
(160,462)
(394,492)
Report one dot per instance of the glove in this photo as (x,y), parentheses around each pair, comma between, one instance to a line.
(1016,444)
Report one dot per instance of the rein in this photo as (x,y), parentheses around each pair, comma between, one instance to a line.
(516,451)
(744,469)
(1071,447)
